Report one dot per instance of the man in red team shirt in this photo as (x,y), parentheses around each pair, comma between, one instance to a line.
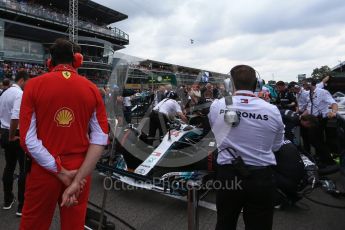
(63,127)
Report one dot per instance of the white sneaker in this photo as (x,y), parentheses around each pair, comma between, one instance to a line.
(8,205)
(278,206)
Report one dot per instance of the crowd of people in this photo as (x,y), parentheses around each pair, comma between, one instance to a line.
(316,107)
(250,121)
(97,77)
(10,69)
(164,68)
(308,100)
(305,99)
(284,95)
(189,97)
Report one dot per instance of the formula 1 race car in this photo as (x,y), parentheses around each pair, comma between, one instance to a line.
(184,146)
(186,152)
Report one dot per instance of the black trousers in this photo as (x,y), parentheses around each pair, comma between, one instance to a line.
(305,137)
(13,154)
(341,140)
(317,138)
(127,112)
(157,121)
(254,195)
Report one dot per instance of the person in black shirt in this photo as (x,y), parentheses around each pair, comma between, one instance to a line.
(292,119)
(207,92)
(285,99)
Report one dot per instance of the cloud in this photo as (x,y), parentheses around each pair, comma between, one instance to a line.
(279,38)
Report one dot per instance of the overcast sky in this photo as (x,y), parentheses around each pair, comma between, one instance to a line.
(279,38)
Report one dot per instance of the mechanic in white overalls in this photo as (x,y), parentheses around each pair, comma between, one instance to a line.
(162,113)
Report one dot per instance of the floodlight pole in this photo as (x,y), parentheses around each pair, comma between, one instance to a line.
(73,21)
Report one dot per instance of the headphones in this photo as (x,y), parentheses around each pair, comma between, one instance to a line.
(76,63)
(230,84)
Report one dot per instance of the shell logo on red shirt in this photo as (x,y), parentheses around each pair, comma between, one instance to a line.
(64,117)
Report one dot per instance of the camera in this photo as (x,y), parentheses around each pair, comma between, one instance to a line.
(240,167)
(238,163)
(230,116)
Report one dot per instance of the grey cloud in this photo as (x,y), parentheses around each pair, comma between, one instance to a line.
(143,8)
(294,15)
(283,38)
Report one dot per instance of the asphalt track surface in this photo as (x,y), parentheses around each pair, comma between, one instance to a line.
(149,210)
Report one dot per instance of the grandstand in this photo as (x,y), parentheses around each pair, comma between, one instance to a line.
(339,69)
(337,82)
(143,74)
(28,28)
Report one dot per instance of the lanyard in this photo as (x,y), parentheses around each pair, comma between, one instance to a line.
(64,67)
(245,94)
(311,101)
(162,104)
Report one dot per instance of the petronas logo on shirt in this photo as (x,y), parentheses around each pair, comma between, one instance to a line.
(66,74)
(64,117)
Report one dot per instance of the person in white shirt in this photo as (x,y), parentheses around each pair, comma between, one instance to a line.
(127,109)
(162,113)
(259,133)
(10,102)
(301,97)
(159,95)
(323,83)
(168,89)
(318,103)
(306,83)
